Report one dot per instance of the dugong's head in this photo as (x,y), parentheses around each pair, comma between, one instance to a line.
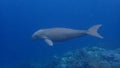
(37,35)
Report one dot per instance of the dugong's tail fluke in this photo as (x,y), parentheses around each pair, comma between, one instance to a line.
(93,31)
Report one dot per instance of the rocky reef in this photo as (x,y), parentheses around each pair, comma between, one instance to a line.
(89,57)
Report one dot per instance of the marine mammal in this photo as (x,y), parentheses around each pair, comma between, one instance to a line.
(51,35)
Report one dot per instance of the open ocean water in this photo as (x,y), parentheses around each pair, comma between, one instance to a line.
(19,19)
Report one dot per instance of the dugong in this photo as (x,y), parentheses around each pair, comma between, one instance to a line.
(51,35)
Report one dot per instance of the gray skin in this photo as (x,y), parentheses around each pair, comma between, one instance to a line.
(59,34)
(62,34)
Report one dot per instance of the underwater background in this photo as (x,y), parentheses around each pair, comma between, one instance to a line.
(19,19)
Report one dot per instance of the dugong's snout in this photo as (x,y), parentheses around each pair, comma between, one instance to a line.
(34,37)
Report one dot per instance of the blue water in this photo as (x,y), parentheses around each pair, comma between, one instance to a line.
(19,19)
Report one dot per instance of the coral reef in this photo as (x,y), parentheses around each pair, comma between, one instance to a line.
(90,57)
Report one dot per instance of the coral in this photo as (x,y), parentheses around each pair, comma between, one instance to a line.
(89,57)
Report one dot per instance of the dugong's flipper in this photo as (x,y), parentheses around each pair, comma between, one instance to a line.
(48,41)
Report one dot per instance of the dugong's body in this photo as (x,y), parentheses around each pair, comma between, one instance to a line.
(61,34)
